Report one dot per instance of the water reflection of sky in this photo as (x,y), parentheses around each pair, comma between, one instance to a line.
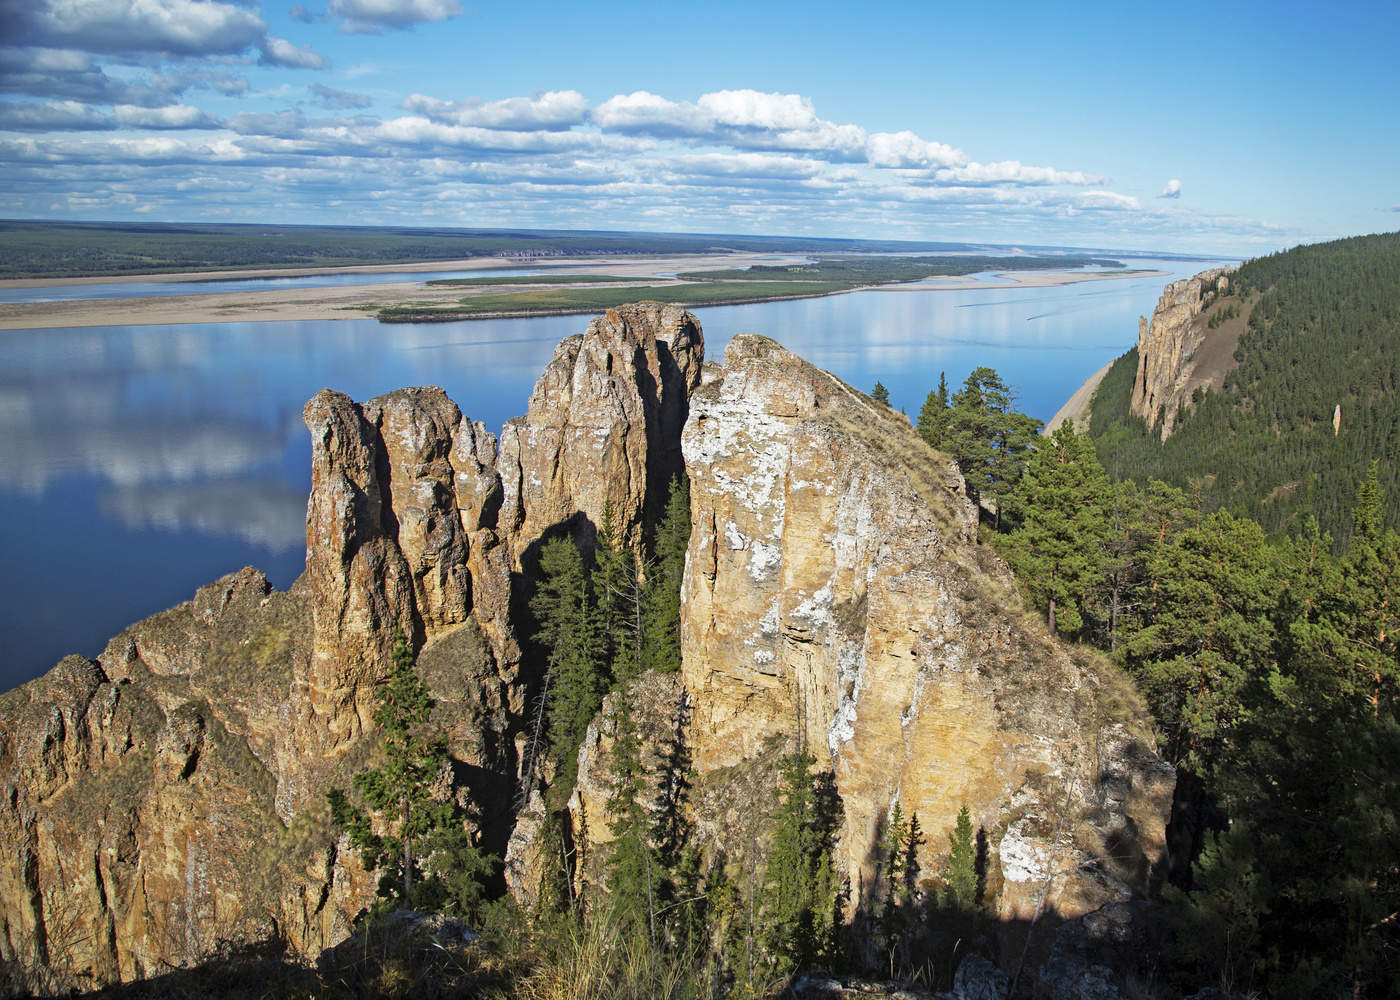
(138,463)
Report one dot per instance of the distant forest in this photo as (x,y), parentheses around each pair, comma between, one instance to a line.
(31,249)
(1323,332)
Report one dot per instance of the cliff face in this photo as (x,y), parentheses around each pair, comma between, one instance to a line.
(1168,347)
(835,597)
(167,799)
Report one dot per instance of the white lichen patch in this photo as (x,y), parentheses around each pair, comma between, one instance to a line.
(734,537)
(850,671)
(1023,859)
(816,610)
(763,559)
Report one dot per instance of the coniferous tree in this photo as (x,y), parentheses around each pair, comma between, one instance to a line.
(800,886)
(631,871)
(880,394)
(1059,551)
(961,875)
(933,417)
(661,607)
(989,440)
(570,631)
(411,828)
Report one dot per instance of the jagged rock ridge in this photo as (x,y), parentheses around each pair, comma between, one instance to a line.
(167,799)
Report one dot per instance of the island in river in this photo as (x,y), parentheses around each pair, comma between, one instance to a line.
(565,285)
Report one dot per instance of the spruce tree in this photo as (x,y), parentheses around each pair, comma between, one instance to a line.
(933,417)
(570,632)
(411,828)
(961,875)
(662,600)
(632,873)
(800,885)
(880,394)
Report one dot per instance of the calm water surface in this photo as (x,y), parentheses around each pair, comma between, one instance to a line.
(138,463)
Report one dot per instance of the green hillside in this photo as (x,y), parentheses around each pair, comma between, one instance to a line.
(1323,331)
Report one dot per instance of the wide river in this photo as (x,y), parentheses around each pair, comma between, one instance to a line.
(139,463)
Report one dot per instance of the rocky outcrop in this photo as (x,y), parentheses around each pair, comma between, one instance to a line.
(603,428)
(167,799)
(1168,347)
(836,597)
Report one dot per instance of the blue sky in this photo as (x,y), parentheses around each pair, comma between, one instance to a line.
(1223,128)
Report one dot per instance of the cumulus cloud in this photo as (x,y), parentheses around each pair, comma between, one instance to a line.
(377,16)
(415,130)
(339,100)
(645,113)
(176,27)
(280,52)
(52,116)
(173,116)
(556,110)
(905,150)
(1172,190)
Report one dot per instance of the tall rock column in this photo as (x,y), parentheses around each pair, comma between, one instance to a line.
(603,427)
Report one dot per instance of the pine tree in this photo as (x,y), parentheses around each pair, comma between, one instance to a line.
(1059,551)
(880,394)
(961,875)
(424,853)
(989,440)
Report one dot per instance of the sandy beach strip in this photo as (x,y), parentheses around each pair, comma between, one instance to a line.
(364,301)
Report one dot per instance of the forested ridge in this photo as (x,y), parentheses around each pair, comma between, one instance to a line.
(1323,332)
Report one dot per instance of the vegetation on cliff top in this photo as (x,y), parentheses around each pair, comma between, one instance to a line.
(1323,332)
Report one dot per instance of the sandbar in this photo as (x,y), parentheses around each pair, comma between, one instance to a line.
(364,301)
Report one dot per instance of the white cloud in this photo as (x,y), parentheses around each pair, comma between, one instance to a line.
(905,150)
(645,113)
(1172,190)
(752,109)
(556,110)
(52,116)
(1014,172)
(182,27)
(418,131)
(280,52)
(374,16)
(171,116)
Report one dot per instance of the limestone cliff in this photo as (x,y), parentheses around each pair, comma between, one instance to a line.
(835,596)
(167,799)
(1169,348)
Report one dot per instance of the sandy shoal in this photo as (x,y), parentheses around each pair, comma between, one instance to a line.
(364,301)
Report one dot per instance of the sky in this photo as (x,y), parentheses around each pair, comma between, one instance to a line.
(1233,129)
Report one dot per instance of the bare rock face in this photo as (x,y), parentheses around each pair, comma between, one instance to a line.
(1167,347)
(139,797)
(835,597)
(603,425)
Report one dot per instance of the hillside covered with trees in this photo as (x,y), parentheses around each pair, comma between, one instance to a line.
(1323,330)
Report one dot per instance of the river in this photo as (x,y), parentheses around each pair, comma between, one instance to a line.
(138,463)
